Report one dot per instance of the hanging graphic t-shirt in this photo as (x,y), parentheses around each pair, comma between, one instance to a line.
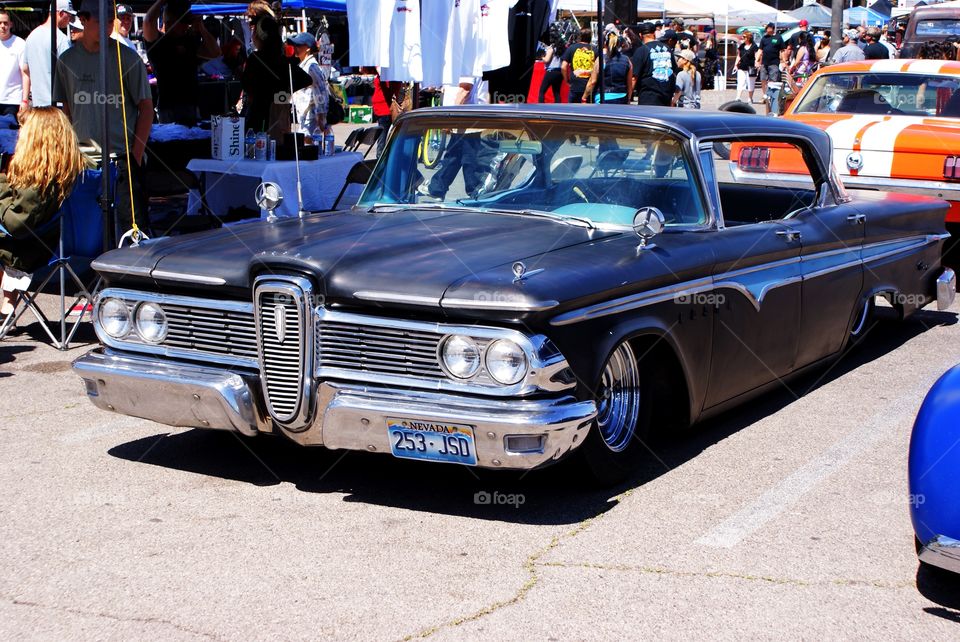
(368,22)
(405,62)
(494,30)
(580,57)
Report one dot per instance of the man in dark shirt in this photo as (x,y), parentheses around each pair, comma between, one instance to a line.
(874,50)
(770,47)
(175,53)
(795,38)
(577,65)
(654,68)
(685,39)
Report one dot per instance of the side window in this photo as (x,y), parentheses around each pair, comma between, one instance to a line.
(761,180)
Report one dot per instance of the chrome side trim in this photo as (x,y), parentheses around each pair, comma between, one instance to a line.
(395,297)
(189,278)
(101,266)
(512,306)
(757,294)
(135,296)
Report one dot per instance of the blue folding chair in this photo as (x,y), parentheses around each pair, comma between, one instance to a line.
(81,240)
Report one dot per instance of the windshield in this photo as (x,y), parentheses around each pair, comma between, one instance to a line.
(883,94)
(578,171)
(938,28)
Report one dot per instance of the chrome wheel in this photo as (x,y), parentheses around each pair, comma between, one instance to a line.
(618,399)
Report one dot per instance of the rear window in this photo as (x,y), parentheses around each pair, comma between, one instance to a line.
(938,28)
(883,94)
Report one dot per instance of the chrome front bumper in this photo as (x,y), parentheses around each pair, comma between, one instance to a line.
(347,416)
(942,552)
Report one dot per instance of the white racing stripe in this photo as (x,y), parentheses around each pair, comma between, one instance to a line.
(888,65)
(843,133)
(926,67)
(879,144)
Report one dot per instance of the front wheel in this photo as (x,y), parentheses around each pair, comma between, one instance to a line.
(624,397)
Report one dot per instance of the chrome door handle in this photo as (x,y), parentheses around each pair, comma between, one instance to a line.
(857,219)
(789,235)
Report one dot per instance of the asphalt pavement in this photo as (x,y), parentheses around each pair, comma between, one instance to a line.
(787,518)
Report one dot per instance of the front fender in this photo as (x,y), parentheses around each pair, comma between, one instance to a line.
(934,463)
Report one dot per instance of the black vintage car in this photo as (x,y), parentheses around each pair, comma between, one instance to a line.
(564,278)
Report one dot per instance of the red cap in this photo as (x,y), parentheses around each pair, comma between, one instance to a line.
(804,23)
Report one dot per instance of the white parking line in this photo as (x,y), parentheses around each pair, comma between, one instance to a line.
(891,419)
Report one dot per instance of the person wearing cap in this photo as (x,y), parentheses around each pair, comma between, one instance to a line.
(129,113)
(654,68)
(175,51)
(689,82)
(310,103)
(14,81)
(795,38)
(850,51)
(121,29)
(36,54)
(577,65)
(771,45)
(685,39)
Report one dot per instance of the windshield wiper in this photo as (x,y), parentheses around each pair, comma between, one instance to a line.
(402,207)
(567,219)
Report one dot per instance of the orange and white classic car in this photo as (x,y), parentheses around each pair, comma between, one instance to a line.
(895,126)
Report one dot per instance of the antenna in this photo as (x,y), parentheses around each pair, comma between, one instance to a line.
(296,147)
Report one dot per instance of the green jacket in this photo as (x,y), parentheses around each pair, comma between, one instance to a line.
(28,242)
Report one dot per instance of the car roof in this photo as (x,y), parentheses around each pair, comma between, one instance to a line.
(897,65)
(694,122)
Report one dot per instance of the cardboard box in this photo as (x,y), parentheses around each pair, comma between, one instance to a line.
(361,114)
(226,137)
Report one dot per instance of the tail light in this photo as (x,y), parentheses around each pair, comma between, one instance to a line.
(754,159)
(951,168)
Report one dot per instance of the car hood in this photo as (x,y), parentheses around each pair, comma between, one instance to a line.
(408,257)
(898,134)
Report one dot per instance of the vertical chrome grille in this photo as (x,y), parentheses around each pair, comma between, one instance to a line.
(284,340)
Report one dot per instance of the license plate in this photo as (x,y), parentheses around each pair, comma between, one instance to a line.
(432,441)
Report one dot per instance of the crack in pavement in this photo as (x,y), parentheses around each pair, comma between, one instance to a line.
(110,616)
(660,570)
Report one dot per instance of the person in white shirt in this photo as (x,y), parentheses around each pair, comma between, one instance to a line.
(14,83)
(36,54)
(310,103)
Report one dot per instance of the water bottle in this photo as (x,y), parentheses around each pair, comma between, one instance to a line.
(249,141)
(260,152)
(329,146)
(316,137)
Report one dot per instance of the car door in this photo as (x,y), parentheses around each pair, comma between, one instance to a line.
(831,238)
(757,294)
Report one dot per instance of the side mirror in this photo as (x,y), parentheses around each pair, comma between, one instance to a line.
(268,197)
(647,223)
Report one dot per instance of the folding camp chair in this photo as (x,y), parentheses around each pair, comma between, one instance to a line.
(353,139)
(369,137)
(359,174)
(81,240)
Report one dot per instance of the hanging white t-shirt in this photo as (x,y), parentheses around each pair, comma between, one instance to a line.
(368,22)
(461,51)
(435,18)
(11,77)
(405,61)
(493,40)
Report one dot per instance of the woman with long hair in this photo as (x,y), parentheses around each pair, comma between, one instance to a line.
(617,73)
(45,164)
(747,67)
(689,82)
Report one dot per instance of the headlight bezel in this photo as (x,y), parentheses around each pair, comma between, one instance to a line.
(137,322)
(123,305)
(521,372)
(442,358)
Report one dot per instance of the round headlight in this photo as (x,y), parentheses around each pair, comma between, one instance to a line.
(506,362)
(151,322)
(115,318)
(461,356)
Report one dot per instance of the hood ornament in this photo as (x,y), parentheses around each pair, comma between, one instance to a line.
(520,272)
